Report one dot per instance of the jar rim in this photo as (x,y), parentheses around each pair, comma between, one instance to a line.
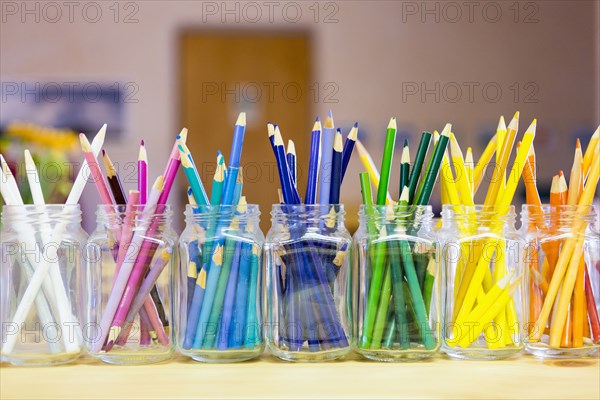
(424,210)
(451,209)
(314,210)
(65,209)
(102,210)
(252,210)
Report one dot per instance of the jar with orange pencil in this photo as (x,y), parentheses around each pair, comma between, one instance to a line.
(564,260)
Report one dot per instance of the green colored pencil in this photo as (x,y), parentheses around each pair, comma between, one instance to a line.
(386,162)
(433,169)
(415,172)
(404,166)
(428,286)
(382,311)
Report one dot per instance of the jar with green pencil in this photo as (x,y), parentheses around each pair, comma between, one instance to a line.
(219,283)
(398,288)
(308,252)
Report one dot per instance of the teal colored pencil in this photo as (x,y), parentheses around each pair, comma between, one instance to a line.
(252,332)
(218,179)
(192,175)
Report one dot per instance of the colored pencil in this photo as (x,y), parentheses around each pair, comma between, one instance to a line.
(404,167)
(143,173)
(291,161)
(326,157)
(314,164)
(433,168)
(95,172)
(114,182)
(386,162)
(415,172)
(349,148)
(336,169)
(80,180)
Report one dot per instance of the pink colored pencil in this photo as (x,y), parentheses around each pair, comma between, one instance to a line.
(95,171)
(127,230)
(150,309)
(143,173)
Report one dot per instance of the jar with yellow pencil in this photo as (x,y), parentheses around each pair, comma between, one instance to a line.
(482,255)
(563,261)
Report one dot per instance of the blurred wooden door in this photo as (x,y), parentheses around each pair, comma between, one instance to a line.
(265,74)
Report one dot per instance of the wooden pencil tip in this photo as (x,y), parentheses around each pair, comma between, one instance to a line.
(532,127)
(447,129)
(270,129)
(241,121)
(85,144)
(501,124)
(159,183)
(455,148)
(278,139)
(337,141)
(554,185)
(353,135)
(291,148)
(142,155)
(404,195)
(329,122)
(317,125)
(184,135)
(596,134)
(28,159)
(392,124)
(405,158)
(469,156)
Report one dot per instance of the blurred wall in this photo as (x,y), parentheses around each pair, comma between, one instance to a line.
(424,62)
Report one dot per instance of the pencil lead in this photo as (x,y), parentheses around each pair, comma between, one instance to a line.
(142,155)
(405,142)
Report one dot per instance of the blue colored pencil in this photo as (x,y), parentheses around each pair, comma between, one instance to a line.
(238,323)
(238,140)
(290,194)
(189,168)
(251,329)
(227,311)
(348,148)
(239,184)
(314,164)
(326,156)
(336,169)
(291,161)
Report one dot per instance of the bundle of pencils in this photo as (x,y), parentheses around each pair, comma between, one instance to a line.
(480,290)
(311,314)
(45,286)
(400,268)
(134,225)
(222,261)
(563,262)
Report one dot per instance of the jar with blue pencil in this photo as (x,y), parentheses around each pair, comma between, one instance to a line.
(308,276)
(219,284)
(308,251)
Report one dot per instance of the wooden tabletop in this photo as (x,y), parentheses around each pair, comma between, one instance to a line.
(524,378)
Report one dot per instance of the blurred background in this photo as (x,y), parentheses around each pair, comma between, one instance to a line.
(149,68)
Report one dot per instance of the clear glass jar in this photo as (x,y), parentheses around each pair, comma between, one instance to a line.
(128,309)
(42,252)
(308,280)
(564,280)
(485,283)
(218,288)
(398,290)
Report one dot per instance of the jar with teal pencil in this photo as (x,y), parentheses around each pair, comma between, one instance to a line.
(485,282)
(307,266)
(397,307)
(219,284)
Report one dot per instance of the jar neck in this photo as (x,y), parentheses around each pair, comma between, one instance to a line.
(478,215)
(328,215)
(245,214)
(134,214)
(41,216)
(557,216)
(411,215)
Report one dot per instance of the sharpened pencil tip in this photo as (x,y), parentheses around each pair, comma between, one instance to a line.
(330,114)
(241,121)
(597,133)
(317,125)
(353,135)
(270,129)
(291,148)
(184,135)
(85,144)
(532,127)
(405,158)
(28,159)
(578,144)
(159,183)
(103,153)
(337,141)
(514,123)
(446,130)
(392,123)
(404,194)
(278,139)
(356,125)
(329,122)
(405,142)
(142,155)
(501,124)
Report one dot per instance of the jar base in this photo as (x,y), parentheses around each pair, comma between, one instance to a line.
(543,350)
(224,356)
(39,360)
(132,358)
(481,353)
(396,355)
(308,356)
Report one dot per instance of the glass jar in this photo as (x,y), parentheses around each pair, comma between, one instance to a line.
(307,265)
(42,252)
(127,286)
(485,282)
(219,284)
(397,293)
(564,280)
